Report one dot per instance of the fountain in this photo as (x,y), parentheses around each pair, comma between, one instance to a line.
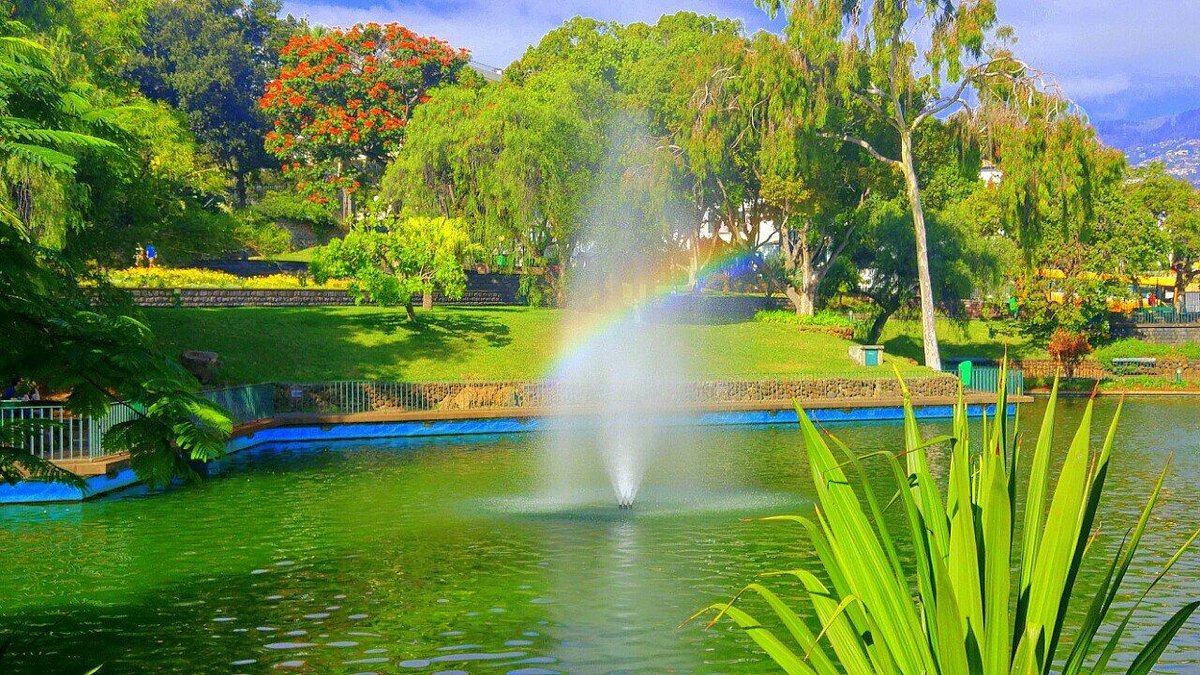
(620,365)
(613,389)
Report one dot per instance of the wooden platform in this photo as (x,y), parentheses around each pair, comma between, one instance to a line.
(87,467)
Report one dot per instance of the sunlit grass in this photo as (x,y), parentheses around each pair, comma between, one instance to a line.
(330,343)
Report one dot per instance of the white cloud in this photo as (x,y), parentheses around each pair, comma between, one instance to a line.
(1092,88)
(1114,55)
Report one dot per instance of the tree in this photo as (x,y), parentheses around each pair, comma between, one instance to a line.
(211,60)
(389,263)
(866,69)
(519,164)
(1054,171)
(888,270)
(54,334)
(1175,206)
(342,99)
(1126,237)
(105,34)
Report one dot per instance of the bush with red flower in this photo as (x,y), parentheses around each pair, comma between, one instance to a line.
(342,100)
(1068,349)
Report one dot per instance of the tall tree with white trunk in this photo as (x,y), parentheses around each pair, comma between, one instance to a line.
(895,64)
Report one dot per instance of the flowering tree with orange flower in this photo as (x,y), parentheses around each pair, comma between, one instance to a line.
(342,100)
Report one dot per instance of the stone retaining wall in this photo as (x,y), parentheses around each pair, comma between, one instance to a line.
(292,297)
(360,397)
(1188,369)
(1168,333)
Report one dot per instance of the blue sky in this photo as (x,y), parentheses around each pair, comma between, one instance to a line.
(1120,59)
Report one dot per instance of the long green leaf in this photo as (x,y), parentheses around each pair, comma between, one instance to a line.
(964,551)
(1111,584)
(997,542)
(847,641)
(856,547)
(1057,549)
(1150,654)
(800,632)
(1035,496)
(773,646)
(1114,640)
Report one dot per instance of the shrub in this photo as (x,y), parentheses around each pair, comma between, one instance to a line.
(288,206)
(1068,349)
(823,318)
(176,277)
(973,610)
(263,236)
(824,321)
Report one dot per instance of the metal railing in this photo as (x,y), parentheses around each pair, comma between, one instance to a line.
(50,431)
(359,396)
(1161,315)
(987,379)
(58,434)
(245,403)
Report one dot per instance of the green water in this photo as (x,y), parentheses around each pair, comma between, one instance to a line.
(441,557)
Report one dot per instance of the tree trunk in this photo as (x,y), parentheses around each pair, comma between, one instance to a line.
(240,188)
(408,308)
(802,299)
(798,259)
(1183,277)
(877,325)
(933,357)
(427,298)
(808,282)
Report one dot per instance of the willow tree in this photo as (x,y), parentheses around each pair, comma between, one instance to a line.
(895,64)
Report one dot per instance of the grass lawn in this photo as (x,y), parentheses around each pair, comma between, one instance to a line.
(976,338)
(332,343)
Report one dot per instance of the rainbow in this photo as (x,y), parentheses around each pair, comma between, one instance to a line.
(588,328)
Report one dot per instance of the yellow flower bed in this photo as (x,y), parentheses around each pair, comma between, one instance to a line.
(173,277)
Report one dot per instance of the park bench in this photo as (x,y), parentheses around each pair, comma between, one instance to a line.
(1134,365)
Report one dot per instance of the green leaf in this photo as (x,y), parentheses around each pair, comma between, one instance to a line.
(776,649)
(1148,657)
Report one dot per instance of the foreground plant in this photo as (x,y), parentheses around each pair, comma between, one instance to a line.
(957,606)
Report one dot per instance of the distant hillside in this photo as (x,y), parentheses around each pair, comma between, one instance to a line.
(1173,140)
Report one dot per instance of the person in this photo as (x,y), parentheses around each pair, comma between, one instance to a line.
(139,256)
(31,391)
(10,392)
(1013,306)
(151,254)
(1152,300)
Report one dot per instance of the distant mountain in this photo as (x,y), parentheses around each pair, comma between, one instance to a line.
(1172,140)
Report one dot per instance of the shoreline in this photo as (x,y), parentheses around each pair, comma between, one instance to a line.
(114,473)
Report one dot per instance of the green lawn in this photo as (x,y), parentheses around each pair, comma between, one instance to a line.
(330,343)
(976,338)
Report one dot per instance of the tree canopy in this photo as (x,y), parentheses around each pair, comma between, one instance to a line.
(211,60)
(390,262)
(342,99)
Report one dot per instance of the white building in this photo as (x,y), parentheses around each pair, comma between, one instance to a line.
(990,174)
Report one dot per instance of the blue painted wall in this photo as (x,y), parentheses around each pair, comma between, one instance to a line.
(33,492)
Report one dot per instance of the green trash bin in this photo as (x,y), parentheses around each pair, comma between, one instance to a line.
(964,373)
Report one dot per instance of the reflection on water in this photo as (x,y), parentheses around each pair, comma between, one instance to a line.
(415,557)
